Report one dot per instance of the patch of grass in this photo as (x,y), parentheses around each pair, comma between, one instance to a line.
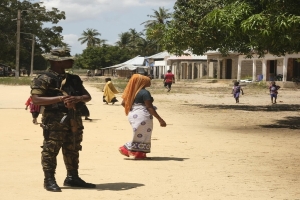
(258,85)
(119,83)
(15,81)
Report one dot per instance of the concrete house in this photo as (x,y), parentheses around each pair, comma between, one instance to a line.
(268,68)
(189,66)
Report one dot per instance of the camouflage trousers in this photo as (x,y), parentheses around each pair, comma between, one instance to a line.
(58,136)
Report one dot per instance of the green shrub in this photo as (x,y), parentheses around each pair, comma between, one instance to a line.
(15,81)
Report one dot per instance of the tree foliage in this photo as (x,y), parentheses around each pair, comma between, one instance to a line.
(156,27)
(244,26)
(37,21)
(98,57)
(130,44)
(135,44)
(90,37)
(33,19)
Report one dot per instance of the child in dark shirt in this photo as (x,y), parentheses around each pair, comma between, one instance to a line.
(236,90)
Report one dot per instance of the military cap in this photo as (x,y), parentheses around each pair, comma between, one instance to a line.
(58,55)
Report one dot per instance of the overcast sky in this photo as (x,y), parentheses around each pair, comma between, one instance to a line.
(108,17)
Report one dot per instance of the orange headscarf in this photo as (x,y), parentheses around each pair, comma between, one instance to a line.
(135,84)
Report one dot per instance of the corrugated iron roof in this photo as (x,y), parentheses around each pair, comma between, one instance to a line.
(138,60)
(160,55)
(160,63)
(188,57)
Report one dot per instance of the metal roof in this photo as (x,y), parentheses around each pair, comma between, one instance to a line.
(216,52)
(188,57)
(160,55)
(160,63)
(130,67)
(138,61)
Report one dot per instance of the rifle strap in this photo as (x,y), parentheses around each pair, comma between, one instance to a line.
(63,82)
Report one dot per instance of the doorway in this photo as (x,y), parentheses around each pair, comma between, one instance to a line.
(228,69)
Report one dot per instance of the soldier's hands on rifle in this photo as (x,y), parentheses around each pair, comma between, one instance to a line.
(72,100)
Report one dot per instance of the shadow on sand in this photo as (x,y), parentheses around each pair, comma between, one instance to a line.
(288,122)
(108,186)
(267,108)
(159,159)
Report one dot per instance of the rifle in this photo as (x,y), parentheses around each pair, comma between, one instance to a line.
(70,117)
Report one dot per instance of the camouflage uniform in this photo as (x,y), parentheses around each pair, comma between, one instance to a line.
(58,134)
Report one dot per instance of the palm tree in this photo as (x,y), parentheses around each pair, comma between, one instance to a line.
(160,17)
(124,40)
(89,37)
(146,47)
(135,37)
(101,43)
(155,28)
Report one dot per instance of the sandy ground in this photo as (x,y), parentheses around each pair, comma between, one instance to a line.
(212,149)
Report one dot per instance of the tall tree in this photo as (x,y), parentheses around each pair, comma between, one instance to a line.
(124,40)
(155,28)
(90,37)
(100,57)
(101,42)
(245,26)
(146,47)
(160,16)
(135,37)
(33,17)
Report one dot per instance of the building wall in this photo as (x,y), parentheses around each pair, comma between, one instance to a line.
(247,69)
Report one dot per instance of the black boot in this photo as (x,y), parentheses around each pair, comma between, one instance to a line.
(50,183)
(74,180)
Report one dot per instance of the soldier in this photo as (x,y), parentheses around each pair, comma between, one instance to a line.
(62,96)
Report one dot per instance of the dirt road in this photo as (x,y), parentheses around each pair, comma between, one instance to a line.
(212,149)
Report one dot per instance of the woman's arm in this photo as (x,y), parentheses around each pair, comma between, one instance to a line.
(152,111)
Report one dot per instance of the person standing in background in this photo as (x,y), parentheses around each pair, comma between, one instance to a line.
(273,88)
(109,92)
(236,91)
(169,79)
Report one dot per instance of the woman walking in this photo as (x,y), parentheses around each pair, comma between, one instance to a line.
(137,102)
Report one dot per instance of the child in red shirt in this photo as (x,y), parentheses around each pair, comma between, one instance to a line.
(34,109)
(168,80)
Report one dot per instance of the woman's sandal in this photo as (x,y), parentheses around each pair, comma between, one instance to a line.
(124,151)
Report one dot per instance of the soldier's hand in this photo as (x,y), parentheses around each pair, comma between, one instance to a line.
(70,102)
(73,99)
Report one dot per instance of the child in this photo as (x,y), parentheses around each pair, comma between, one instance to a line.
(273,92)
(236,90)
(34,109)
